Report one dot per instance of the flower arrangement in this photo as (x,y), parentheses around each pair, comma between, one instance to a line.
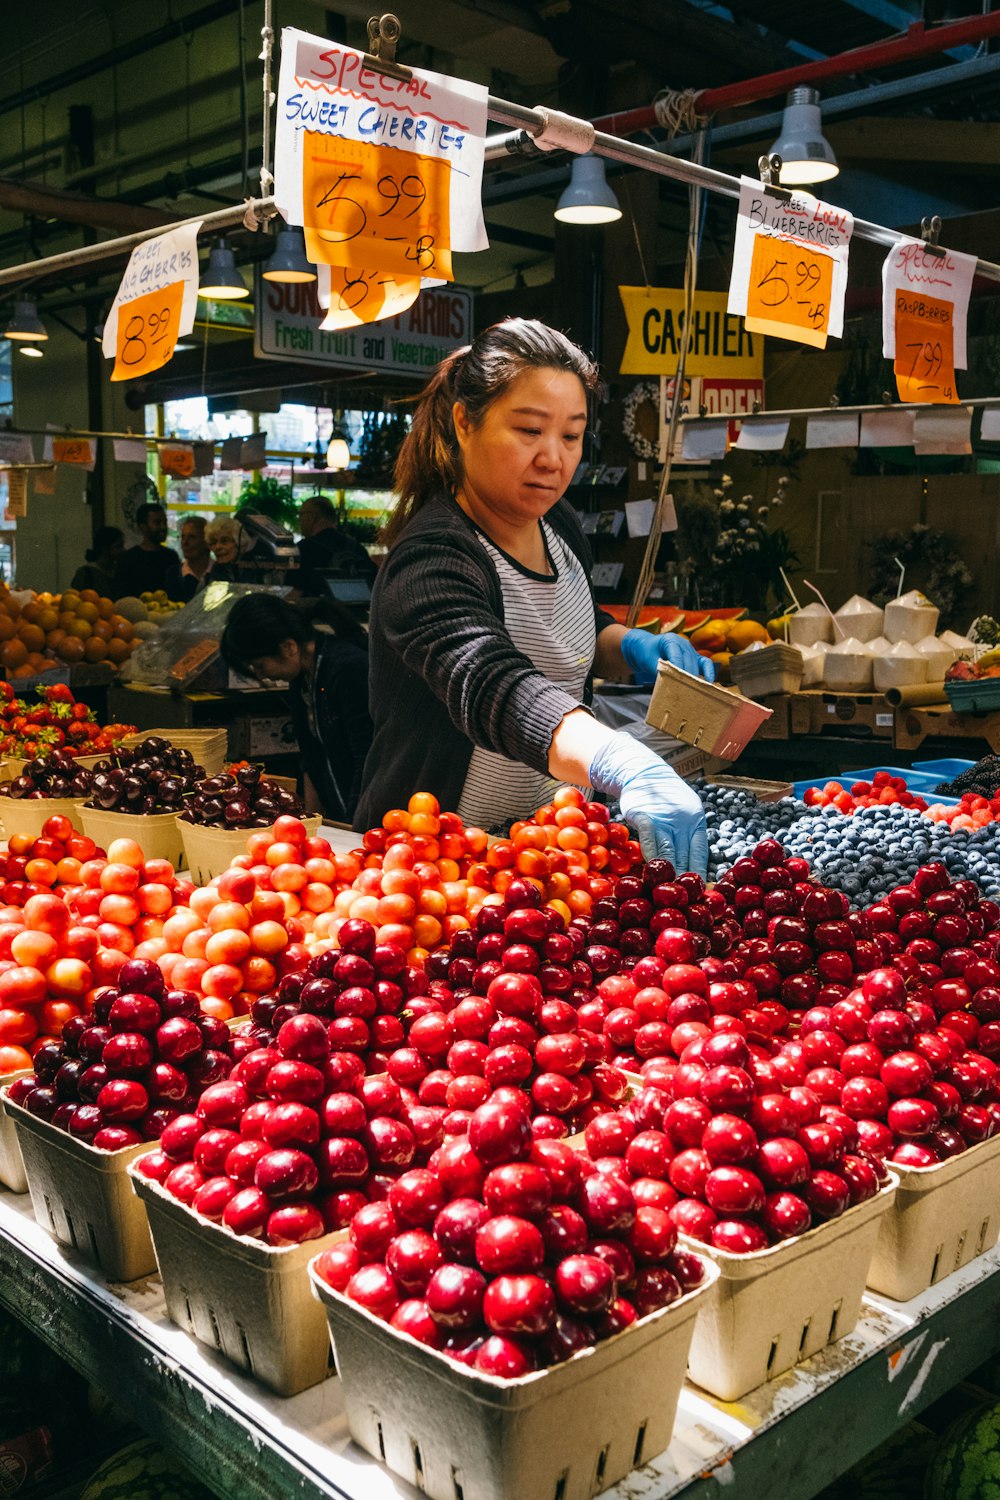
(646,392)
(749,555)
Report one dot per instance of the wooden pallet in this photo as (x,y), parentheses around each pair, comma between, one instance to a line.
(865,715)
(914,725)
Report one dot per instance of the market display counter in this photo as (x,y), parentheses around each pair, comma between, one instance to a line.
(258,723)
(249,1445)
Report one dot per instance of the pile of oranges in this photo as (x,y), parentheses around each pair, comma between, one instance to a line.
(77,626)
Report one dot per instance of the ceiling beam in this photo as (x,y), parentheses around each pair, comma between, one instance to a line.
(41,202)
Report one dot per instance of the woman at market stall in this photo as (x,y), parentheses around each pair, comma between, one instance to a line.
(484,634)
(321,652)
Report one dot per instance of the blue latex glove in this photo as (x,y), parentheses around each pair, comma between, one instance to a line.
(667,814)
(642,651)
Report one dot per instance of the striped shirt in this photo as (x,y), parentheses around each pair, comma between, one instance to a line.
(550,619)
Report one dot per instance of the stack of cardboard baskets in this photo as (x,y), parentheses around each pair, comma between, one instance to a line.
(568,1431)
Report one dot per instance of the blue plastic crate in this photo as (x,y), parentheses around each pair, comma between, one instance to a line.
(944,770)
(920,782)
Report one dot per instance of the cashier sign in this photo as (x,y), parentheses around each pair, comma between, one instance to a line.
(383,174)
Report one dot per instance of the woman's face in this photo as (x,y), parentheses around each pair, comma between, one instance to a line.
(520,459)
(223,549)
(285,666)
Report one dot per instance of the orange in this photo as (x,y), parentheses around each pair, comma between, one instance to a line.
(91,595)
(49,664)
(744,633)
(66,618)
(710,637)
(88,611)
(70,599)
(79,628)
(103,630)
(124,629)
(71,649)
(118,650)
(14,654)
(25,670)
(95,649)
(49,618)
(33,636)
(53,638)
(30,612)
(105,608)
(7,627)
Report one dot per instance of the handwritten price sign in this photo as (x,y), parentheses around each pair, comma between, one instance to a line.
(148,329)
(924,363)
(790,291)
(376,207)
(352,297)
(72,451)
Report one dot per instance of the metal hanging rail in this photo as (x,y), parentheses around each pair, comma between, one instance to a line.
(762,415)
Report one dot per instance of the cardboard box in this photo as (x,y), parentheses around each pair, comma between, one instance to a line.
(914,725)
(209,851)
(266,734)
(781,1305)
(208,746)
(700,713)
(11,1161)
(764,791)
(157,834)
(943,1217)
(778,726)
(82,1196)
(569,1431)
(769,672)
(26,815)
(867,715)
(248,1300)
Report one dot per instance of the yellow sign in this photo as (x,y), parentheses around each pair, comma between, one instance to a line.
(720,345)
(148,327)
(376,208)
(789,292)
(925,348)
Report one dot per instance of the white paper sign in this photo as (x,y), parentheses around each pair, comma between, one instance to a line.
(639,516)
(911,267)
(989,426)
(153,265)
(763,437)
(795,219)
(943,430)
(325,88)
(704,440)
(130,451)
(886,429)
(16,448)
(838,429)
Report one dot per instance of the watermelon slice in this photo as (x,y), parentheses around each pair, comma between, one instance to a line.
(695,617)
(651,616)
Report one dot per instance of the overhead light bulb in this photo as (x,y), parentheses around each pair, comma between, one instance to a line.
(32,350)
(288,258)
(221,281)
(806,154)
(25,322)
(338,455)
(588,199)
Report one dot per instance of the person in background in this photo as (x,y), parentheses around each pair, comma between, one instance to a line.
(484,633)
(322,653)
(326,547)
(98,572)
(235,554)
(150,565)
(196,554)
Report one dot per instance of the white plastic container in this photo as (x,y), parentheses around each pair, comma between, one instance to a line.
(901,666)
(847,667)
(859,618)
(911,617)
(809,625)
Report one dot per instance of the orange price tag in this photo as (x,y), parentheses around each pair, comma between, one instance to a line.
(147,331)
(790,291)
(366,297)
(177,461)
(71,451)
(376,206)
(925,348)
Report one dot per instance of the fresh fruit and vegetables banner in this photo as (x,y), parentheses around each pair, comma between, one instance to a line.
(383,174)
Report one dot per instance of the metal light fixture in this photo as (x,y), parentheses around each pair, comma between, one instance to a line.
(221,281)
(288,258)
(806,154)
(25,323)
(32,350)
(338,454)
(588,199)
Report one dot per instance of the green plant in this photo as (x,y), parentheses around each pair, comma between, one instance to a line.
(932,564)
(749,555)
(271,498)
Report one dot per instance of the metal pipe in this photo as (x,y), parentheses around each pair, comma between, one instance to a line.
(840,411)
(86,255)
(918,41)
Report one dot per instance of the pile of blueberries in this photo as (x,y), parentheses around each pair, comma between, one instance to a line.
(864,855)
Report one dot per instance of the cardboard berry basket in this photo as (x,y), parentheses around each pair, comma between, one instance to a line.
(569,1431)
(701,713)
(156,834)
(208,746)
(775,1307)
(248,1300)
(210,851)
(81,1195)
(27,815)
(11,1162)
(943,1217)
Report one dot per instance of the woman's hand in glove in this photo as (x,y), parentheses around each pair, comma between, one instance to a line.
(642,653)
(667,814)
